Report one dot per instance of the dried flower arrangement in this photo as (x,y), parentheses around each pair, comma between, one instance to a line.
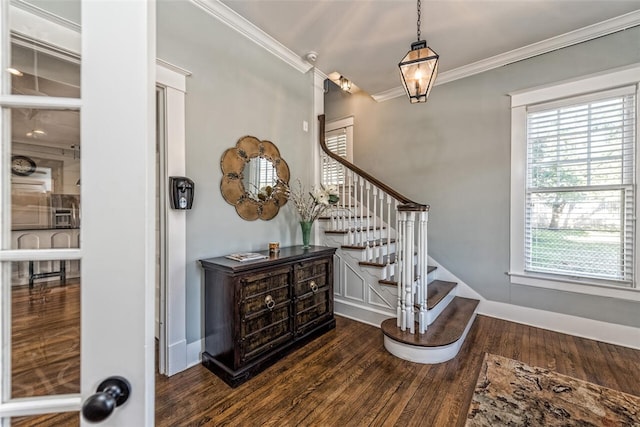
(312,204)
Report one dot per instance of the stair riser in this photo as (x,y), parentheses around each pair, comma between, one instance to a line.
(357,235)
(345,223)
(362,254)
(427,355)
(433,314)
(386,272)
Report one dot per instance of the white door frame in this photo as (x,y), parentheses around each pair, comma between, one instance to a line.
(173,338)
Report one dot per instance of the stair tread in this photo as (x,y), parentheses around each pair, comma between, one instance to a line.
(353,229)
(371,244)
(391,259)
(392,280)
(437,290)
(446,329)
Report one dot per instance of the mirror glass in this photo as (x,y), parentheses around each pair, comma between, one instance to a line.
(259,178)
(254,178)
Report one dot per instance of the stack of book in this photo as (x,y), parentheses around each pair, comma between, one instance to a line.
(246,256)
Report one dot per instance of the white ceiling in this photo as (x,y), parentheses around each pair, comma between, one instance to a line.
(365,39)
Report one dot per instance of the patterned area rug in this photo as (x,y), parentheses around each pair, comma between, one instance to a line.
(511,393)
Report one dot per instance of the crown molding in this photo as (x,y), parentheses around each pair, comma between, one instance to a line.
(232,19)
(173,67)
(571,38)
(395,92)
(46,15)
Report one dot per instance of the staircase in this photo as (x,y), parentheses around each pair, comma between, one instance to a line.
(385,274)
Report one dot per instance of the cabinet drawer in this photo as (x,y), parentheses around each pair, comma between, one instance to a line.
(259,283)
(262,290)
(316,273)
(260,302)
(264,318)
(264,339)
(312,309)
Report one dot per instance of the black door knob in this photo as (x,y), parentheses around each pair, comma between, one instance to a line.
(111,393)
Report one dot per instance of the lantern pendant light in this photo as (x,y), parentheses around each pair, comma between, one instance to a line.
(419,69)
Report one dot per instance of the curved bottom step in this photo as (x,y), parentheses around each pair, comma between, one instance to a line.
(443,338)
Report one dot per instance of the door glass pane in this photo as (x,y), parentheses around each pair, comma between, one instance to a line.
(45,328)
(38,70)
(45,178)
(66,419)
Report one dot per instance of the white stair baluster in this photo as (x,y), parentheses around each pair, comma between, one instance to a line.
(361,202)
(422,271)
(401,222)
(376,249)
(367,231)
(350,236)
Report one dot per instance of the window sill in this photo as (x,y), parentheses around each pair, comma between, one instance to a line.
(575,286)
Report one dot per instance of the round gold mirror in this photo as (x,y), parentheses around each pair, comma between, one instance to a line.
(254,178)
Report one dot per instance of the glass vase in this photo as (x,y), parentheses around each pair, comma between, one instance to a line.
(306,233)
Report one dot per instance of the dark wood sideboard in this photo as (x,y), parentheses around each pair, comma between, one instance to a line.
(255,312)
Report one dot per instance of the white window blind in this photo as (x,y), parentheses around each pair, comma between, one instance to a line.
(332,171)
(580,207)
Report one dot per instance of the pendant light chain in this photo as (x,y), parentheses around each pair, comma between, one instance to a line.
(418,23)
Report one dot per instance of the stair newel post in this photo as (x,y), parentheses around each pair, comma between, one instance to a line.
(400,227)
(408,248)
(422,270)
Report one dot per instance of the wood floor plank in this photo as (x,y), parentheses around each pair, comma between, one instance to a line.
(347,378)
(359,383)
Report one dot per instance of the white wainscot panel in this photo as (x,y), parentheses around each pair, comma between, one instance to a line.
(338,274)
(382,296)
(354,284)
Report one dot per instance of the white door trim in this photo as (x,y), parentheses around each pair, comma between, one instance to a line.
(173,291)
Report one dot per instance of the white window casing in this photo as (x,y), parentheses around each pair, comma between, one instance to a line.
(574,156)
(339,139)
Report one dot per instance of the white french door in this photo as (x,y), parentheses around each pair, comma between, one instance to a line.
(77,212)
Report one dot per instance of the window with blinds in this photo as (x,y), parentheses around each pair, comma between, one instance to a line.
(580,207)
(332,171)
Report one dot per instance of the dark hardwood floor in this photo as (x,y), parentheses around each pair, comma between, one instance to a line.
(343,378)
(347,378)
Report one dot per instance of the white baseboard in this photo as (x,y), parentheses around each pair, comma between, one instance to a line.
(611,333)
(177,357)
(359,313)
(194,351)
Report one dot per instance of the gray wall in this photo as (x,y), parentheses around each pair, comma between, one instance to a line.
(454,153)
(236,89)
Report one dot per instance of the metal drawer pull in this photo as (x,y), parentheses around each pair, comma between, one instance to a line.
(313,286)
(270,303)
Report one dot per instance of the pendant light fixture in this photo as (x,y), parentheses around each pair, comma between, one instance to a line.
(419,69)
(345,84)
